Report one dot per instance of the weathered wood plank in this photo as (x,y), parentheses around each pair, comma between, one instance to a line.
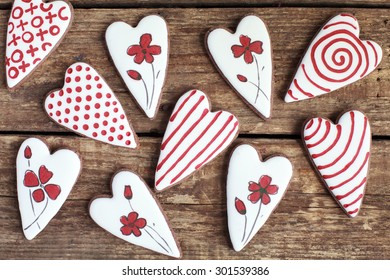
(207,186)
(291,30)
(290,233)
(214,3)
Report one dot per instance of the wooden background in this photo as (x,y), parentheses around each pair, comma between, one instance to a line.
(308,224)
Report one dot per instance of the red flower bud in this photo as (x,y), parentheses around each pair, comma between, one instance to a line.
(240,206)
(134,75)
(242,78)
(27,152)
(128,193)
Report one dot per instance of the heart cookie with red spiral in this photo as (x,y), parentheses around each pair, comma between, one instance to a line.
(335,58)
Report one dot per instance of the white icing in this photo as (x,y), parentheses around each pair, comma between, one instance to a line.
(246,166)
(338,40)
(88,106)
(65,166)
(351,162)
(220,42)
(106,212)
(37,27)
(183,150)
(119,37)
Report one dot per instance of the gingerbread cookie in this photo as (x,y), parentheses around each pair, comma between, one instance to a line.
(44,182)
(340,153)
(254,189)
(140,55)
(35,29)
(87,106)
(134,215)
(194,136)
(335,58)
(244,59)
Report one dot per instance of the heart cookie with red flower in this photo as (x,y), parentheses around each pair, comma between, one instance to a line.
(244,58)
(335,58)
(44,182)
(194,136)
(141,56)
(35,29)
(87,106)
(340,153)
(134,215)
(254,189)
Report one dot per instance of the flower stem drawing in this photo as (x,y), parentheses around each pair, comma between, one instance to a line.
(144,52)
(39,187)
(260,193)
(133,225)
(250,51)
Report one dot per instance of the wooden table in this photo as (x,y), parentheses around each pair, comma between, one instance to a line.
(308,224)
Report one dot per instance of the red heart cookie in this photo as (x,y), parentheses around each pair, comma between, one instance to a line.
(35,29)
(194,136)
(341,152)
(335,58)
(87,106)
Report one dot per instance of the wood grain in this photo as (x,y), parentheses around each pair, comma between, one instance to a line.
(307,224)
(291,29)
(214,3)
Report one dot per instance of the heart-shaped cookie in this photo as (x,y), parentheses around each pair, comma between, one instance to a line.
(35,29)
(254,189)
(134,215)
(141,56)
(87,106)
(194,136)
(244,58)
(335,58)
(44,182)
(341,153)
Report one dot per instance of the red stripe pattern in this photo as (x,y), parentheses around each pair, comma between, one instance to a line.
(335,58)
(194,136)
(341,152)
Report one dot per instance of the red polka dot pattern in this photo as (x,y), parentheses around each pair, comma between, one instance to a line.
(88,106)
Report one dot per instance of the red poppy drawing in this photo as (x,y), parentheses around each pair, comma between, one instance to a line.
(247,48)
(128,193)
(249,51)
(262,190)
(27,152)
(144,51)
(132,225)
(31,180)
(240,206)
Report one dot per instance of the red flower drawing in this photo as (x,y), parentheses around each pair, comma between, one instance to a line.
(132,225)
(262,190)
(128,193)
(144,51)
(27,152)
(31,180)
(247,48)
(242,78)
(240,206)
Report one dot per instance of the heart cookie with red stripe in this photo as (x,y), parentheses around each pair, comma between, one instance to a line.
(44,182)
(35,29)
(194,136)
(335,58)
(87,106)
(341,153)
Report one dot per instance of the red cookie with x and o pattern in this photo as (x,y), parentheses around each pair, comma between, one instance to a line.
(87,106)
(35,29)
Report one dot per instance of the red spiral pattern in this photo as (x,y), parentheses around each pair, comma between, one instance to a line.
(348,59)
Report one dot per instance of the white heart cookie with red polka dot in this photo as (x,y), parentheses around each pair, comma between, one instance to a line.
(87,106)
(35,29)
